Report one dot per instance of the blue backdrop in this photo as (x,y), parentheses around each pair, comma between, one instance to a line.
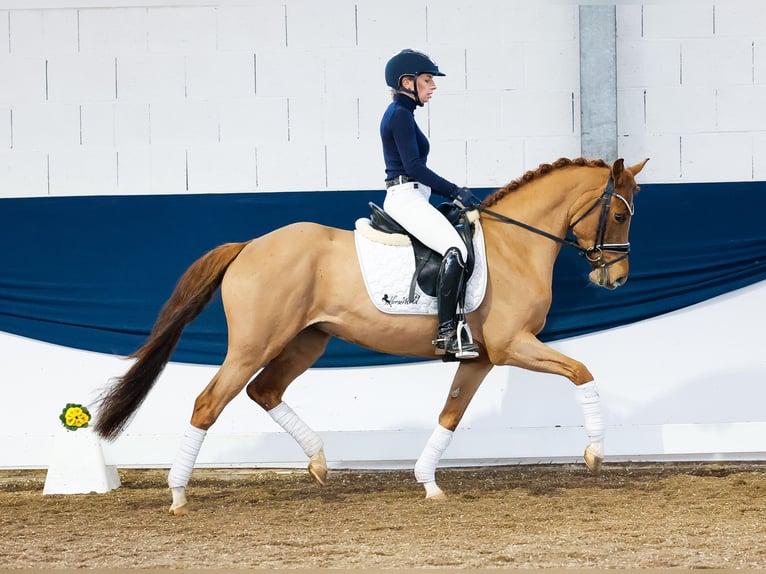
(92,272)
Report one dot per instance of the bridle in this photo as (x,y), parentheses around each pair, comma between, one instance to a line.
(595,253)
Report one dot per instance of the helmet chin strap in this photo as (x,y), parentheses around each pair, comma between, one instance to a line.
(412,92)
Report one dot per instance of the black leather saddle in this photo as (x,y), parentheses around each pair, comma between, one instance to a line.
(428,261)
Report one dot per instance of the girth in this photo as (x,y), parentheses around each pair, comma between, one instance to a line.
(428,261)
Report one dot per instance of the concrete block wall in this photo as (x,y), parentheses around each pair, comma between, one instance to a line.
(274,95)
(691,89)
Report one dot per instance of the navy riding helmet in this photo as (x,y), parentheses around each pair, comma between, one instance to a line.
(409,63)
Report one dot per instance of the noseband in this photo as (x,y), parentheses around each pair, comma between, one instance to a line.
(595,253)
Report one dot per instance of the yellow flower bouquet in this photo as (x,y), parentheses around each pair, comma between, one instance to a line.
(74,417)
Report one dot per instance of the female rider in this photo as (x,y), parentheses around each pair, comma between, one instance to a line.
(409,183)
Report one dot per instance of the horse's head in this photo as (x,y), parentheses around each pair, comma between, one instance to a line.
(602,228)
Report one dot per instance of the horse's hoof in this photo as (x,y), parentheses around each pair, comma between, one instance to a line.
(437,497)
(318,468)
(180,511)
(433,492)
(594,457)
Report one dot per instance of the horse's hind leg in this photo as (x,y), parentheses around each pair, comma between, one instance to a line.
(269,386)
(230,379)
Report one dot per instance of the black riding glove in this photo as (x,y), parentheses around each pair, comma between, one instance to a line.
(466,199)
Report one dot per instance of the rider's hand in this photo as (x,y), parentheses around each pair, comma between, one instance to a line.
(466,199)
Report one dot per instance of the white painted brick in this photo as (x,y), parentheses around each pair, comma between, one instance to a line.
(255,121)
(759,61)
(43,32)
(41,126)
(23,173)
(478,23)
(551,65)
(680,110)
(220,75)
(448,159)
(494,162)
(81,78)
(323,119)
(678,20)
(289,73)
(759,156)
(113,30)
(628,19)
(23,79)
(539,150)
(109,124)
(326,24)
(466,115)
(663,151)
(134,171)
(149,77)
(371,109)
(742,108)
(291,167)
(6,138)
(648,63)
(221,168)
(537,113)
(630,111)
(741,19)
(251,27)
(703,155)
(539,22)
(83,171)
(354,71)
(355,165)
(151,169)
(380,25)
(497,67)
(97,124)
(168,169)
(5,18)
(182,29)
(716,62)
(185,123)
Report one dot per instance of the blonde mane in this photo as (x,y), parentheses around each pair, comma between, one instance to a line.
(544,169)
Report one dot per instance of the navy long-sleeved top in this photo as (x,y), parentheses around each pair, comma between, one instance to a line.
(405,147)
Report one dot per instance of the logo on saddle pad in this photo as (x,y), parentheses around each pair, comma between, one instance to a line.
(389,268)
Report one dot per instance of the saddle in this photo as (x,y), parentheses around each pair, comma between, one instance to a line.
(428,261)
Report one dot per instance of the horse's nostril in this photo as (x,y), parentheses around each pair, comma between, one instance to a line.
(620,281)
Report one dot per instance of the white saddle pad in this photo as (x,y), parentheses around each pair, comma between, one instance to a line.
(388,263)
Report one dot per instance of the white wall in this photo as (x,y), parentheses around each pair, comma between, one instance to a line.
(691,87)
(141,97)
(669,390)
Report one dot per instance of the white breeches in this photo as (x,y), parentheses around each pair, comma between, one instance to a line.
(408,204)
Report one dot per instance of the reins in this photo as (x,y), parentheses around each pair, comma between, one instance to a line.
(595,253)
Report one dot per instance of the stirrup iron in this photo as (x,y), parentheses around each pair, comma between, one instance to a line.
(467,350)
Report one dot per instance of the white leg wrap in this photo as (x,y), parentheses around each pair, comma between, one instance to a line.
(587,396)
(425,467)
(187,453)
(285,417)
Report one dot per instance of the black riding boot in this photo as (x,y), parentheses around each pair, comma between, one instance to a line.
(448,288)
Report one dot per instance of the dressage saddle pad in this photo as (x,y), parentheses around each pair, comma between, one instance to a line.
(387,261)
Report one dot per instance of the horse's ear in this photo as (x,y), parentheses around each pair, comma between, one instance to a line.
(638,167)
(617,168)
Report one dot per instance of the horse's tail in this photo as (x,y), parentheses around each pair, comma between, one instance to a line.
(193,292)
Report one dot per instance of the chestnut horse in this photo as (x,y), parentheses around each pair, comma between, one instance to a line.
(525,225)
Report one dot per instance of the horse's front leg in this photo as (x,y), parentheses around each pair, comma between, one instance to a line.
(468,377)
(530,353)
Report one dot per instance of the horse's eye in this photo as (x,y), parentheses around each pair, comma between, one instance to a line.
(621,217)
